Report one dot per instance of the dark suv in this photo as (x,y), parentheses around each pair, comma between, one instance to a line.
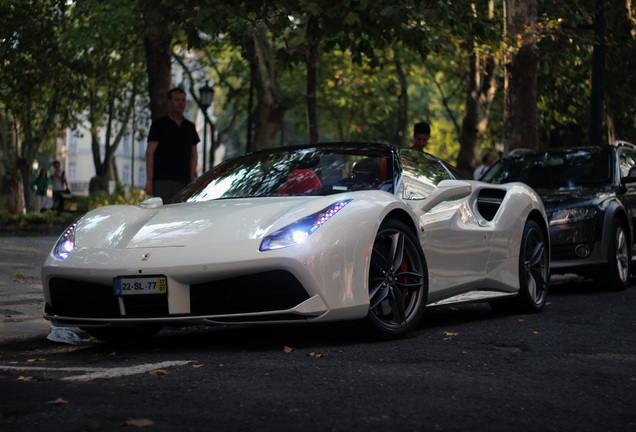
(590,200)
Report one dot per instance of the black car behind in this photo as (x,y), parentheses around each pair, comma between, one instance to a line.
(590,200)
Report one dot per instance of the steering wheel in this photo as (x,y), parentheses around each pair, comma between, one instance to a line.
(354,183)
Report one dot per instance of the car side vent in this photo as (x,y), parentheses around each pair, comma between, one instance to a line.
(489,201)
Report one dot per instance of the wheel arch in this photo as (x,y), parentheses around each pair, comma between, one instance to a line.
(402,216)
(406,218)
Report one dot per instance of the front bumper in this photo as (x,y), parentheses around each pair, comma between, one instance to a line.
(271,295)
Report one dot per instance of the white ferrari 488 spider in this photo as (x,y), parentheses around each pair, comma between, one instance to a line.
(302,234)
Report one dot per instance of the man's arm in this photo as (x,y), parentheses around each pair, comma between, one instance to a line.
(150,165)
(194,156)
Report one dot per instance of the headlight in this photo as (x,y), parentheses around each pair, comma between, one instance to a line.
(565,216)
(298,231)
(65,244)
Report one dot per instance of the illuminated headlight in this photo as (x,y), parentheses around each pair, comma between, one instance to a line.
(566,216)
(65,244)
(297,232)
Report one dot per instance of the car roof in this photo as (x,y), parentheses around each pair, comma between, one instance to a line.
(557,150)
(521,152)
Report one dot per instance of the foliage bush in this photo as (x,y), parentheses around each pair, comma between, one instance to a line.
(51,221)
(47,222)
(119,197)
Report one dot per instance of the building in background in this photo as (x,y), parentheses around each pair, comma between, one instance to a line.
(76,155)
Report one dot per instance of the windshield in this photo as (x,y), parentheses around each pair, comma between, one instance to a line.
(554,170)
(296,171)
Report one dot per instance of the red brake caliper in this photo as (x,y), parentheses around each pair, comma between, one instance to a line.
(404,279)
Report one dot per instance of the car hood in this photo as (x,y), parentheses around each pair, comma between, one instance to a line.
(554,199)
(192,224)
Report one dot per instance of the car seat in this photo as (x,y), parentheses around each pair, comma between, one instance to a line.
(300,181)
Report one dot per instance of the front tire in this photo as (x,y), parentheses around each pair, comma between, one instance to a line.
(617,273)
(398,281)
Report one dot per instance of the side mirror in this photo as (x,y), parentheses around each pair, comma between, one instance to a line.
(446,190)
(152,203)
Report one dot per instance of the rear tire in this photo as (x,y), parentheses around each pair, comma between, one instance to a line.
(534,269)
(398,281)
(534,273)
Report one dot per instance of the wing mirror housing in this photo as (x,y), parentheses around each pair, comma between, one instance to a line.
(630,179)
(446,190)
(152,203)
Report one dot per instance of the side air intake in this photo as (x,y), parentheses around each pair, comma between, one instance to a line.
(489,201)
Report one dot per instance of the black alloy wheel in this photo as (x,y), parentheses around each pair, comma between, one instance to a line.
(398,281)
(534,274)
(534,269)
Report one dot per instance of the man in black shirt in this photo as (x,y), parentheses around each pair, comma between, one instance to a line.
(171,156)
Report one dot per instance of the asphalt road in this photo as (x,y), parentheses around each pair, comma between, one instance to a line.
(465,368)
(21,298)
(570,368)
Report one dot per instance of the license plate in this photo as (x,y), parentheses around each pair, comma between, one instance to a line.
(140,285)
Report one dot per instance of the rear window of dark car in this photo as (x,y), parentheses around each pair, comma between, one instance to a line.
(558,170)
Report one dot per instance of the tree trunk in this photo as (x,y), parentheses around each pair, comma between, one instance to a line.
(94,132)
(28,148)
(619,70)
(25,169)
(112,143)
(520,84)
(313,52)
(402,136)
(10,187)
(158,45)
(480,92)
(598,66)
(270,109)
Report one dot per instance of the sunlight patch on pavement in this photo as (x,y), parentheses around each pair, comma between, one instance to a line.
(100,373)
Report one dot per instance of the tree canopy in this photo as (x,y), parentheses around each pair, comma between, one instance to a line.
(295,71)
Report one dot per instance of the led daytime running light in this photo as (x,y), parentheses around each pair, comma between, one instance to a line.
(328,213)
(65,244)
(297,232)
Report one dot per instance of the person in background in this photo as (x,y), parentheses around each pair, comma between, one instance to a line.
(39,187)
(421,134)
(487,160)
(171,156)
(59,185)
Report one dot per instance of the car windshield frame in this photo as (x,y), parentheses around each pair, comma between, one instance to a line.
(317,170)
(557,169)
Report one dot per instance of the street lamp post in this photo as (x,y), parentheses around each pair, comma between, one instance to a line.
(206,93)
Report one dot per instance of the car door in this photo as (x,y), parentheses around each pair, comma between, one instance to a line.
(456,246)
